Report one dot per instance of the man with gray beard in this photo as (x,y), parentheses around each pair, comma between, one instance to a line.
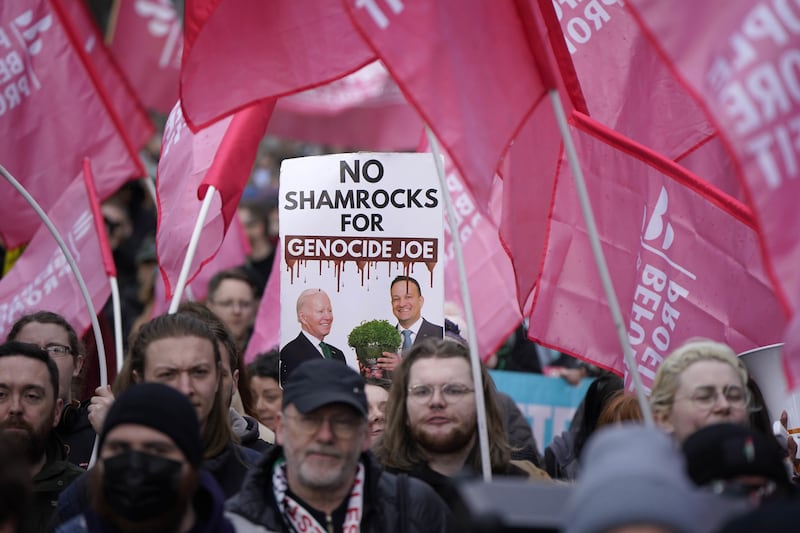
(322,476)
(29,410)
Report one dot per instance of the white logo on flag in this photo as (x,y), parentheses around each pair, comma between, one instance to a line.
(377,13)
(163,22)
(79,230)
(656,225)
(31,30)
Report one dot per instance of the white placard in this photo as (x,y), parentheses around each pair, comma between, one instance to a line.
(351,223)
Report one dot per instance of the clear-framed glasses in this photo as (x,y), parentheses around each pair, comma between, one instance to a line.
(342,427)
(706,397)
(245,305)
(57,350)
(451,392)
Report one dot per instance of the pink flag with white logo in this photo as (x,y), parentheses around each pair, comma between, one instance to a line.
(105,70)
(741,63)
(471,77)
(240,52)
(684,264)
(364,110)
(221,155)
(267,330)
(146,39)
(42,279)
(46,95)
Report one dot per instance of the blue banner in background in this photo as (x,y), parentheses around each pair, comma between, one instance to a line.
(548,403)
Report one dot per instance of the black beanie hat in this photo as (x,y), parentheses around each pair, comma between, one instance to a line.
(162,408)
(726,451)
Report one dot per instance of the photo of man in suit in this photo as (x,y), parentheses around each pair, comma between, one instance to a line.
(407,302)
(315,314)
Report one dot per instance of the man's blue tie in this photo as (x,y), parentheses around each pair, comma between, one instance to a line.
(406,339)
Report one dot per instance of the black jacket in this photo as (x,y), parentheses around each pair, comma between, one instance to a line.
(422,509)
(55,476)
(228,470)
(208,504)
(301,350)
(77,433)
(428,331)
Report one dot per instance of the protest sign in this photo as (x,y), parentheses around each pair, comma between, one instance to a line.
(351,223)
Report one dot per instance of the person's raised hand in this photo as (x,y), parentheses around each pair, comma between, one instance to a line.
(99,406)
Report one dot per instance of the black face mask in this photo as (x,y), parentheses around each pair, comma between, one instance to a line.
(139,485)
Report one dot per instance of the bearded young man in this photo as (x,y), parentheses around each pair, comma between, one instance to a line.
(29,411)
(431,430)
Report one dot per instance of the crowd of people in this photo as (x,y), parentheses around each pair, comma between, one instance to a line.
(188,438)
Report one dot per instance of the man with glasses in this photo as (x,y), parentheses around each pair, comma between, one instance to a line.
(321,477)
(432,431)
(58,338)
(232,297)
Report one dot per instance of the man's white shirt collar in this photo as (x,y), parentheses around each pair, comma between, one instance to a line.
(414,327)
(315,341)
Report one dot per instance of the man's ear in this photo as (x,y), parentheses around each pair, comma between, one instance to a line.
(78,365)
(57,411)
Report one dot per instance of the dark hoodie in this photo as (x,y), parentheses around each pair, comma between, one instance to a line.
(208,503)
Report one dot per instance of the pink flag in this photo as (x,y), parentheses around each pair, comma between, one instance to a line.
(240,52)
(42,279)
(684,264)
(99,222)
(490,276)
(105,70)
(46,95)
(626,86)
(221,155)
(741,63)
(146,39)
(364,110)
(267,330)
(471,77)
(232,253)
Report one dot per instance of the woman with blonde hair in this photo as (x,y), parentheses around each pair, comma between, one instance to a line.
(702,382)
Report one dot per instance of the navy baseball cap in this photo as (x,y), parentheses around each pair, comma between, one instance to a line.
(320,382)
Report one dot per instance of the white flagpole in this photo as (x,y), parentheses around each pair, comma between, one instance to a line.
(597,251)
(115,304)
(187,261)
(101,350)
(480,406)
(98,336)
